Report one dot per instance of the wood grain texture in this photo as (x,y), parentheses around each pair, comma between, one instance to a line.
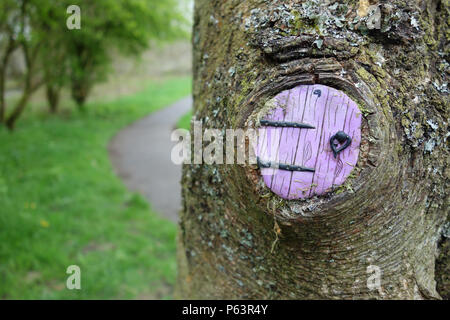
(329,111)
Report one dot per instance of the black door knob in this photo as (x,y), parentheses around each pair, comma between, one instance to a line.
(342,138)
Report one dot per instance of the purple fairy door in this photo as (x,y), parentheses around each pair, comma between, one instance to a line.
(309,143)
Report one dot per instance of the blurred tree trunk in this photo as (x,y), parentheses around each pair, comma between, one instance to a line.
(33,81)
(53,92)
(237,240)
(11,46)
(83,74)
(80,92)
(2,94)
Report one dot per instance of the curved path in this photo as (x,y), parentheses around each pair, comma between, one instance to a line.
(140,155)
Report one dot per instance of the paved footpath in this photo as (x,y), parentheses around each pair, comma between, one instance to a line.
(140,155)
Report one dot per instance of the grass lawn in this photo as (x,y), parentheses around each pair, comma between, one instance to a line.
(61,204)
(185,121)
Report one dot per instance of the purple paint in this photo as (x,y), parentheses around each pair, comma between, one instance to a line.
(329,111)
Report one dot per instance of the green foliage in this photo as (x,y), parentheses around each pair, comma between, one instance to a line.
(61,204)
(123,25)
(57,57)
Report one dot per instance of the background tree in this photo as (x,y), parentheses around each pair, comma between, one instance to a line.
(125,26)
(31,26)
(56,56)
(9,13)
(30,37)
(239,240)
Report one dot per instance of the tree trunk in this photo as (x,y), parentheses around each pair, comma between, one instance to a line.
(30,86)
(2,95)
(80,92)
(18,109)
(4,64)
(53,92)
(240,240)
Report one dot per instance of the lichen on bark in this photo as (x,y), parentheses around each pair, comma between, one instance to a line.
(239,240)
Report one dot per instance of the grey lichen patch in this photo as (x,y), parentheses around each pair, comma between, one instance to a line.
(374,17)
(259,114)
(347,186)
(430,145)
(322,19)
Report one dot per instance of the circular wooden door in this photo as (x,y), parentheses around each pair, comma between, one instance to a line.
(295,141)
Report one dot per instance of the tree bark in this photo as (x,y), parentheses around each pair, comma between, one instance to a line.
(31,51)
(2,94)
(80,92)
(82,75)
(239,240)
(53,92)
(30,86)
(17,111)
(4,63)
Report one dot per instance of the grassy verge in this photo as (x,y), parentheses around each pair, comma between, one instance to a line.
(185,121)
(62,205)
